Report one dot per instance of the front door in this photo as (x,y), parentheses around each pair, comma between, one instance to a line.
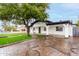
(39,29)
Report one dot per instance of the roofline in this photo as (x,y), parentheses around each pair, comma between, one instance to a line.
(53,23)
(40,21)
(62,22)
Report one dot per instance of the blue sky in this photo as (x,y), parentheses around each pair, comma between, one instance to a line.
(63,11)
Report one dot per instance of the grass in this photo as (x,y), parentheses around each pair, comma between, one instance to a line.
(12,38)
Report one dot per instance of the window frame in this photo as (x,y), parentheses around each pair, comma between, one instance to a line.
(33,28)
(59,28)
(45,29)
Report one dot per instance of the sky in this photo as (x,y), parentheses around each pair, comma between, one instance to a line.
(63,11)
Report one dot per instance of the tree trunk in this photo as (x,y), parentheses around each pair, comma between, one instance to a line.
(28,30)
(26,25)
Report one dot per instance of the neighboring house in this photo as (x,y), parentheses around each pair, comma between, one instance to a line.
(21,28)
(1,30)
(75,30)
(61,28)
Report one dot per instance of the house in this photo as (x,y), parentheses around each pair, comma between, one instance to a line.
(21,28)
(61,28)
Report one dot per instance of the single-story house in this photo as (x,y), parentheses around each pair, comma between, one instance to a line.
(21,28)
(61,28)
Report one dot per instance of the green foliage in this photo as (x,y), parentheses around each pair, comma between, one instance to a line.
(9,28)
(77,23)
(7,11)
(29,11)
(23,13)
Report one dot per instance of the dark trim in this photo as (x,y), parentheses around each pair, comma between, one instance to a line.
(52,23)
(46,21)
(61,22)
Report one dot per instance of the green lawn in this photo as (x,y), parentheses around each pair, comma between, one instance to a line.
(11,38)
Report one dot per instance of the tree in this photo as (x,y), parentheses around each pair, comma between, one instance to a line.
(9,28)
(6,14)
(24,12)
(77,23)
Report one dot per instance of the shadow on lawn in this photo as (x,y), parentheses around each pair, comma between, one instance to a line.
(3,36)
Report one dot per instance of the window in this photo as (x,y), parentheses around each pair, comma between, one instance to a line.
(23,30)
(44,28)
(33,28)
(59,28)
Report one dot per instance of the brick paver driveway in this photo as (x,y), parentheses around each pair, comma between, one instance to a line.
(51,47)
(75,46)
(18,49)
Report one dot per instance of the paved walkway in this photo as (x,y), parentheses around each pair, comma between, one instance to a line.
(16,49)
(75,47)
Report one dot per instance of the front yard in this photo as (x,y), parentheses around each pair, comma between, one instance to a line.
(12,38)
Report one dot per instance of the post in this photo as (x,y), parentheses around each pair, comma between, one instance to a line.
(66,31)
(47,30)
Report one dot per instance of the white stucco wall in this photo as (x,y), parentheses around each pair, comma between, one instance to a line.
(51,29)
(68,30)
(36,25)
